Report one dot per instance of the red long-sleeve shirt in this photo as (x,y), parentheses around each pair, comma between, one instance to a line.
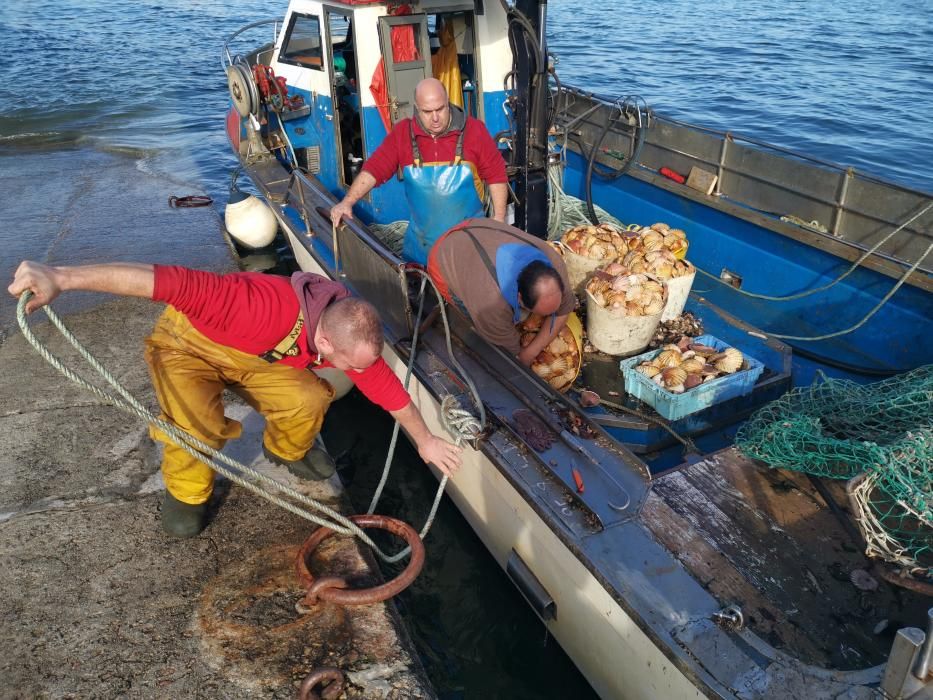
(478,148)
(252,312)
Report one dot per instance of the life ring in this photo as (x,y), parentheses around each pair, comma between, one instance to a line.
(243,91)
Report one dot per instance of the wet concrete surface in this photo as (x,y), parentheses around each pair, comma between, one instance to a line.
(98,602)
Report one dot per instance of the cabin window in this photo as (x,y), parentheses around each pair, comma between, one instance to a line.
(302,45)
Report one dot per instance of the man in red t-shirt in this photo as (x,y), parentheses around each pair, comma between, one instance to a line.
(445,158)
(257,335)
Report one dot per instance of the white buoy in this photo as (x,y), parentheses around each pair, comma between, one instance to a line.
(249,220)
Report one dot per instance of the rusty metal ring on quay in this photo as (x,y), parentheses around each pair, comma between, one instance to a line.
(334,589)
(332,676)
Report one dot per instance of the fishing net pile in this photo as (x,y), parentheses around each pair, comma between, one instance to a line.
(878,435)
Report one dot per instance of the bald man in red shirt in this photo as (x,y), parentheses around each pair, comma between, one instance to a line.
(257,335)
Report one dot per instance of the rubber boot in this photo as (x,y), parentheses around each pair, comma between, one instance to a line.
(316,465)
(181,519)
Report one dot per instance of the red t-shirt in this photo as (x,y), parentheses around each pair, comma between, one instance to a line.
(478,149)
(251,312)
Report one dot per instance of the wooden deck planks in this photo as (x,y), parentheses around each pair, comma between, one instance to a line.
(764,539)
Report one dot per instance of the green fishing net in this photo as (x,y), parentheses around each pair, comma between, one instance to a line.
(878,435)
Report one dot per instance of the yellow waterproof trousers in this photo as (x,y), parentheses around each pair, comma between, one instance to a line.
(191,372)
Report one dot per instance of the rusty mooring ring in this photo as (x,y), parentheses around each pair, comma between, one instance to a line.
(335,679)
(334,588)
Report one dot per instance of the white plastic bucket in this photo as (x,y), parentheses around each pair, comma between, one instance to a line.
(580,268)
(614,334)
(678,289)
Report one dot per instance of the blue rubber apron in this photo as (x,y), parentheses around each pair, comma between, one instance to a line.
(440,196)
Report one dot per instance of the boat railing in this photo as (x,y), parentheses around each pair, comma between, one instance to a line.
(228,59)
(786,189)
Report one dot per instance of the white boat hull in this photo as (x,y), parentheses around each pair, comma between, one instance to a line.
(611,651)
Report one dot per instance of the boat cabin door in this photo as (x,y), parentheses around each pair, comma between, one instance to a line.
(345,90)
(406,50)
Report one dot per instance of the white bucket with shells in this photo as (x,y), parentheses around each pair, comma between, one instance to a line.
(616,334)
(678,290)
(623,309)
(588,247)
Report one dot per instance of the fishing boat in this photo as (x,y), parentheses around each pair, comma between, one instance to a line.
(675,572)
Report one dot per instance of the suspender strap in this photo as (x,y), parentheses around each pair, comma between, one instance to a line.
(484,256)
(416,152)
(458,154)
(288,346)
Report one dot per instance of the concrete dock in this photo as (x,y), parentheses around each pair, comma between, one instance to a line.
(98,602)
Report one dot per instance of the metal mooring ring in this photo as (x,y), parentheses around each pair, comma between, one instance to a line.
(334,589)
(335,682)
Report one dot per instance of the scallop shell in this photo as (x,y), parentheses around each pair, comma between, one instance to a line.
(729,361)
(662,227)
(542,370)
(648,370)
(559,366)
(558,382)
(668,358)
(677,389)
(655,307)
(614,268)
(692,365)
(693,380)
(558,346)
(700,349)
(673,376)
(652,242)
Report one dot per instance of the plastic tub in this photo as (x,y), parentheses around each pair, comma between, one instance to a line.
(615,334)
(675,406)
(678,289)
(580,268)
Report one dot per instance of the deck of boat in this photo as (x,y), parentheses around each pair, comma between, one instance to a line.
(764,539)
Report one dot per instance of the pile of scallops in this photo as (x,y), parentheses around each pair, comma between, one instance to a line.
(559,362)
(679,368)
(627,293)
(661,236)
(661,263)
(603,242)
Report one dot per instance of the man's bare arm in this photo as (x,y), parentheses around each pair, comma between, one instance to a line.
(361,186)
(47,282)
(499,192)
(432,449)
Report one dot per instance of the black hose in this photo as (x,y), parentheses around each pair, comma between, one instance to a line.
(591,166)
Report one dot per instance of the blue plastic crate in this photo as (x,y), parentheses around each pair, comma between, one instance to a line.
(674,406)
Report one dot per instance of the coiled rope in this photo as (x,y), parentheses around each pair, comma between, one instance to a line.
(303,506)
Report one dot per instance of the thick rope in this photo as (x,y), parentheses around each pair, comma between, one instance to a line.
(238,473)
(460,423)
